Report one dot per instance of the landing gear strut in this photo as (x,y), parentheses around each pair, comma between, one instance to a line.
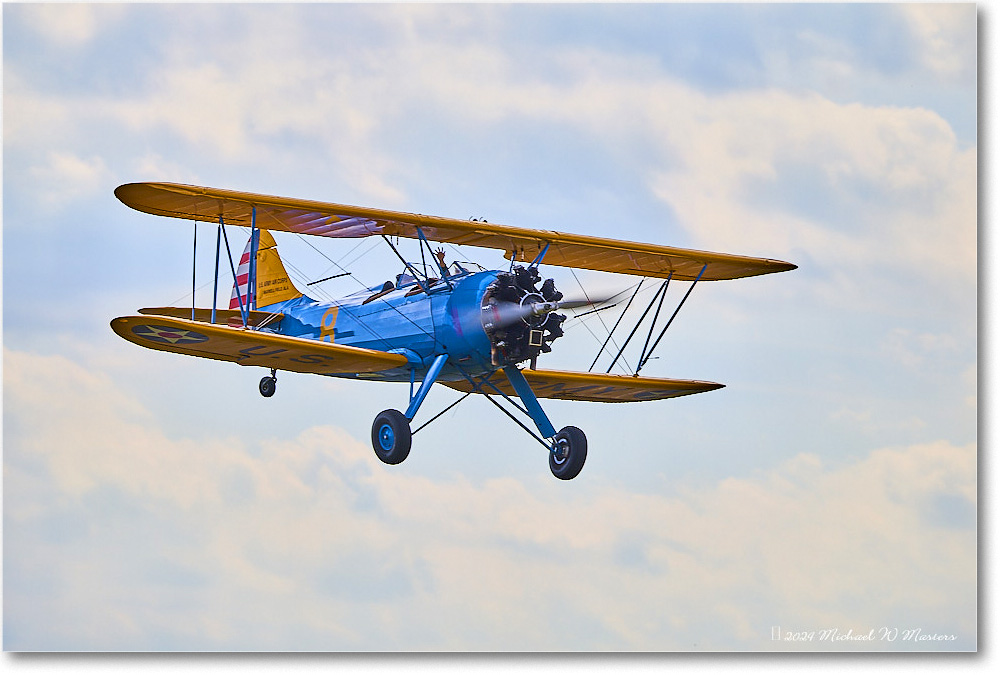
(268,385)
(391,433)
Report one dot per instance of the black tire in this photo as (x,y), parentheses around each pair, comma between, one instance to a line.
(268,385)
(391,436)
(570,454)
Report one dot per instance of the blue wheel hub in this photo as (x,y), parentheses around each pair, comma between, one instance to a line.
(386,437)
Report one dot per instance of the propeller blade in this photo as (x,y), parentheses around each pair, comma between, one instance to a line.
(506,313)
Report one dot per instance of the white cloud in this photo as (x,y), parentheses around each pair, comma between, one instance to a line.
(887,187)
(30,116)
(65,177)
(154,166)
(876,187)
(914,350)
(947,35)
(856,188)
(151,539)
(970,377)
(245,103)
(66,24)
(760,172)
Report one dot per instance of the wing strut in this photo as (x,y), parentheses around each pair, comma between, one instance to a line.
(251,282)
(656,296)
(538,258)
(416,275)
(194,266)
(215,287)
(642,361)
(652,327)
(441,267)
(254,244)
(229,254)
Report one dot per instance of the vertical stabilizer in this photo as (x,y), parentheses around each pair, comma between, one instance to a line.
(240,287)
(273,283)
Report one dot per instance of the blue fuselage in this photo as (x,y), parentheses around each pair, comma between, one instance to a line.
(405,319)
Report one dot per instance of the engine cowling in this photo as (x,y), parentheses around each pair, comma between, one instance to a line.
(519,318)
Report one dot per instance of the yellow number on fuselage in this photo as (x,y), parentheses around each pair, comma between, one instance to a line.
(326,331)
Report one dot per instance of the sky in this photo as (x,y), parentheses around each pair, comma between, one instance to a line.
(157,502)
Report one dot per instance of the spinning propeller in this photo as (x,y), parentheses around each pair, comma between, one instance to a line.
(520,319)
(533,311)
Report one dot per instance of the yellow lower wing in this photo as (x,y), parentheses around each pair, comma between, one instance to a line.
(592,386)
(252,348)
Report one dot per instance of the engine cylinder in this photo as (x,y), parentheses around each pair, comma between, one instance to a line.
(510,318)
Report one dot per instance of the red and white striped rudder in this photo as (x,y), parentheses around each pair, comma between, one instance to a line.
(242,280)
(273,285)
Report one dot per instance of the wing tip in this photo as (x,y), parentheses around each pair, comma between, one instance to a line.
(702,386)
(122,191)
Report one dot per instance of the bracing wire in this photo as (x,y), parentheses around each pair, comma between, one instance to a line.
(624,368)
(385,302)
(599,317)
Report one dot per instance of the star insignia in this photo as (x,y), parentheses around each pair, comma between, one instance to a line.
(167,335)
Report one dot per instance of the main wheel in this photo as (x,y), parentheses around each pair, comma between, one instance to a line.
(570,452)
(267,387)
(391,436)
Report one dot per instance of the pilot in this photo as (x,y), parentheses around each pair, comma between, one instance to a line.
(439,254)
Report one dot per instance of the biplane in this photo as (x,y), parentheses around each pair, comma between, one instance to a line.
(475,330)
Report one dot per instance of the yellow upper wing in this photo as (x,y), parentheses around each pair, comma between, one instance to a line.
(251,347)
(337,220)
(573,386)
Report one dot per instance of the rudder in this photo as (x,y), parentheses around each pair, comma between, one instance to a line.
(273,284)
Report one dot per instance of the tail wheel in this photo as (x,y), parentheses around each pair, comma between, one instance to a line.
(391,436)
(268,385)
(569,452)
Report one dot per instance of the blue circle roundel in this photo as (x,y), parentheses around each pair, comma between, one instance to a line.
(168,335)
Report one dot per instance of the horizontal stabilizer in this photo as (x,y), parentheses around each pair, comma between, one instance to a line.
(222,316)
(572,386)
(251,347)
